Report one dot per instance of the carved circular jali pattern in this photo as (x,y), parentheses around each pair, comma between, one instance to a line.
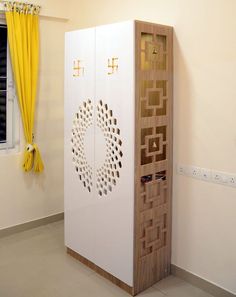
(83,120)
(107,175)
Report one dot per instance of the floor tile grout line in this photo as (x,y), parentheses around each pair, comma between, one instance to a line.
(159,290)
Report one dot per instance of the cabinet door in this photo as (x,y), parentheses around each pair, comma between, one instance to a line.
(79,141)
(114,149)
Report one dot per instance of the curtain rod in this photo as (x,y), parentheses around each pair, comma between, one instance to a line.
(18,3)
(43,15)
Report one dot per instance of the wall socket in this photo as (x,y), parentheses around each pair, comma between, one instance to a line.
(208,175)
(231,179)
(195,172)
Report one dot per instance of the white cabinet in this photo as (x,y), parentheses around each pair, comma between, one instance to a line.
(104,175)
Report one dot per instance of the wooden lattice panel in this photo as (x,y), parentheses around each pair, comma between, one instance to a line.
(153,153)
(153,227)
(153,144)
(153,98)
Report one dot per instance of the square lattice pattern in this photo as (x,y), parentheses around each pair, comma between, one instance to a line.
(154,151)
(153,228)
(153,98)
(153,52)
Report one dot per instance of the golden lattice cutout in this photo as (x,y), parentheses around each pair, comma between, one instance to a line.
(109,173)
(153,98)
(153,52)
(153,144)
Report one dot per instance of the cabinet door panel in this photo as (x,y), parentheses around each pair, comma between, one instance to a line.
(114,149)
(79,141)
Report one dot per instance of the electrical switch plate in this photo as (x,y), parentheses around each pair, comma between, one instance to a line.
(181,169)
(231,180)
(208,175)
(219,177)
(195,172)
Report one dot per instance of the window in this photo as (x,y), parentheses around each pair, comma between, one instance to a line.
(9,114)
(3,84)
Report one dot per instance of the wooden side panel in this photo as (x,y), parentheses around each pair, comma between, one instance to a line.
(153,154)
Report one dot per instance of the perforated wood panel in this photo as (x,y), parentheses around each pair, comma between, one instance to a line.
(109,173)
(106,176)
(82,121)
(153,154)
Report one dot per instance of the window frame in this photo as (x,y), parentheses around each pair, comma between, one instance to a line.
(12,143)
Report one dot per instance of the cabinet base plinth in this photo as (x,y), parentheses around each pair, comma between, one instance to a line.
(100,271)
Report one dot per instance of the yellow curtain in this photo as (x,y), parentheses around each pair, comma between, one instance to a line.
(23,37)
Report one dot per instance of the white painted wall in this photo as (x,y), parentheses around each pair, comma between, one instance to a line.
(25,196)
(204,219)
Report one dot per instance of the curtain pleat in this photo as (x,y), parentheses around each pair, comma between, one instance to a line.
(23,37)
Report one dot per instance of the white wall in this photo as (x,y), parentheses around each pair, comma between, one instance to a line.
(25,196)
(204,219)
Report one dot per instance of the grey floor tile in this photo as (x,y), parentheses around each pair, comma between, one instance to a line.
(34,263)
(99,286)
(152,292)
(175,287)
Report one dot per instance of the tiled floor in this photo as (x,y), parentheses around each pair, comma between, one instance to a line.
(34,263)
